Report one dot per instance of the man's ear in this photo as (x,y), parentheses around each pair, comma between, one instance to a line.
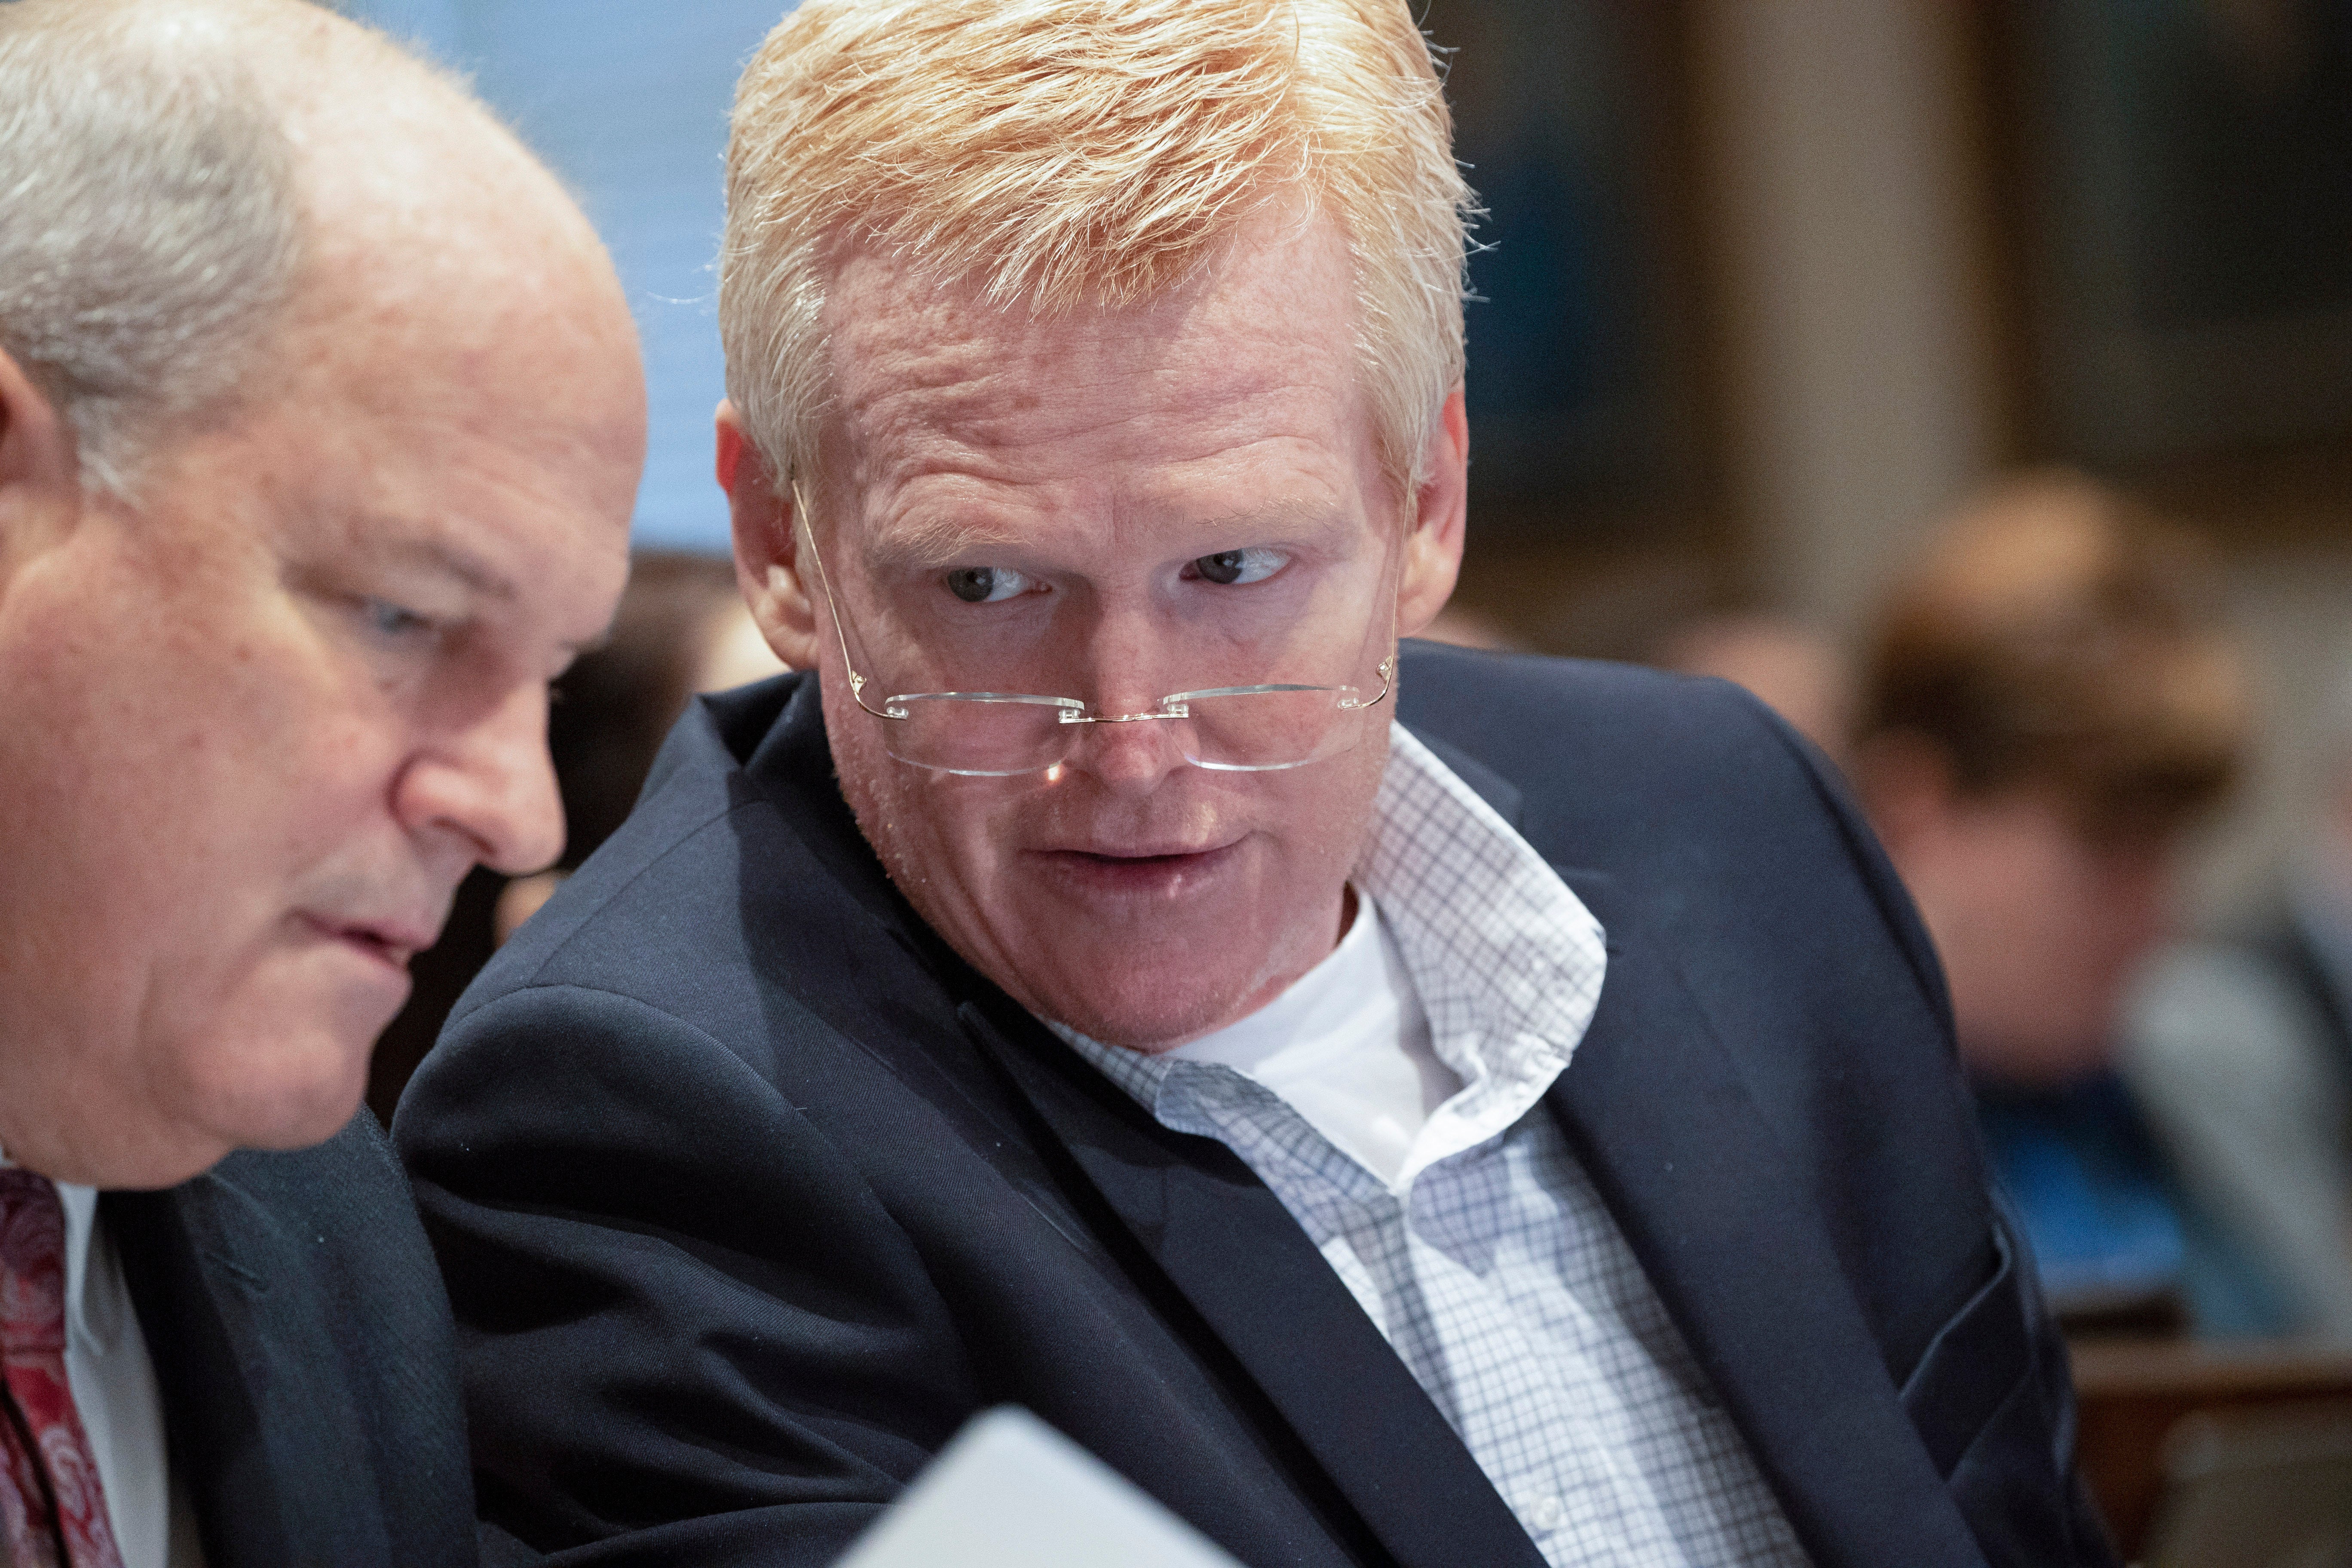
(1432,559)
(767,552)
(39,486)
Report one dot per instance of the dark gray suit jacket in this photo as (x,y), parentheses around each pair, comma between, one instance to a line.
(301,1341)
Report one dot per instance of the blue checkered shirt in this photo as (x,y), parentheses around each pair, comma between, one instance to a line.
(1489,1263)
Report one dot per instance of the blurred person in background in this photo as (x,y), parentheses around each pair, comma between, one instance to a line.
(2048,706)
(1457,625)
(320,423)
(2240,1048)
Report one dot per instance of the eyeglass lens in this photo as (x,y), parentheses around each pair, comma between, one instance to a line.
(1243,731)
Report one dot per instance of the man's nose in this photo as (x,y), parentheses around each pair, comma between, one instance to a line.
(1128,667)
(1130,758)
(489,784)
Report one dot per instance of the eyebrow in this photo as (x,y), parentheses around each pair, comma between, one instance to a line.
(452,560)
(480,577)
(1287,516)
(932,542)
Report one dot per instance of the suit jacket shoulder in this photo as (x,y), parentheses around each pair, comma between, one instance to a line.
(1687,807)
(1799,1122)
(1691,785)
(303,1346)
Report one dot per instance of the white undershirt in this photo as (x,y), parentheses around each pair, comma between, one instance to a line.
(114,1391)
(1349,1048)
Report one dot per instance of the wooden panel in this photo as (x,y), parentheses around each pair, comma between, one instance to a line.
(2132,1391)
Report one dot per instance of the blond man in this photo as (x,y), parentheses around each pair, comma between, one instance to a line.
(1414,1107)
(320,423)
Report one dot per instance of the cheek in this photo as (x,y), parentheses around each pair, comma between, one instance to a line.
(2133,919)
(280,1058)
(934,835)
(289,788)
(2087,933)
(184,797)
(111,798)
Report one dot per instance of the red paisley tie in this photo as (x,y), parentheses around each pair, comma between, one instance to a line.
(50,1503)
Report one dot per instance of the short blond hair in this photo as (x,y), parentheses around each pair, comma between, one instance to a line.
(1059,153)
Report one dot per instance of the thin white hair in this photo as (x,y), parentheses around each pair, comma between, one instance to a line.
(1066,152)
(150,227)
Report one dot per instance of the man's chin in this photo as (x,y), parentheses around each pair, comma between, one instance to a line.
(300,1089)
(1152,986)
(296,1117)
(1146,1012)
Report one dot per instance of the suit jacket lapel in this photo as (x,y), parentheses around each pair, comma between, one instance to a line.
(1679,1151)
(1682,1157)
(1233,1251)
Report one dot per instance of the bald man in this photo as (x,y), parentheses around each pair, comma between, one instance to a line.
(319,424)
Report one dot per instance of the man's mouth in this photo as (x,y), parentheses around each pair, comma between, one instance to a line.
(388,942)
(1147,871)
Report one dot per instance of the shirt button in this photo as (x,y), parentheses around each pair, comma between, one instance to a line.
(1549,1514)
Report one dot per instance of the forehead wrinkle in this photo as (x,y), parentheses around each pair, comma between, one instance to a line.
(956,420)
(989,396)
(910,436)
(979,399)
(901,338)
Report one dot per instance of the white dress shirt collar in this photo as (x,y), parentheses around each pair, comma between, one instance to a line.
(1348,1048)
(115,1394)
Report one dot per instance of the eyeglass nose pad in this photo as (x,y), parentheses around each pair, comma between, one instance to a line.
(1155,715)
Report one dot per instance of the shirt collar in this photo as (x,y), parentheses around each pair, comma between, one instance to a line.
(1504,957)
(1328,1000)
(94,1316)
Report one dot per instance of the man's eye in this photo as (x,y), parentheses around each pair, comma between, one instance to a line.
(1231,566)
(986,585)
(393,622)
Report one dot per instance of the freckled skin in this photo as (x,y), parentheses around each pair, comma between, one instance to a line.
(1137,898)
(237,788)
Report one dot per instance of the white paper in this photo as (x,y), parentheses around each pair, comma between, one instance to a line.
(1012,1492)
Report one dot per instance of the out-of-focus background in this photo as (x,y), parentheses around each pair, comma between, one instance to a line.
(1973,383)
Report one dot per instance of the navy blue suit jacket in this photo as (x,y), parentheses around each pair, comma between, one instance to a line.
(302,1347)
(748,1191)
